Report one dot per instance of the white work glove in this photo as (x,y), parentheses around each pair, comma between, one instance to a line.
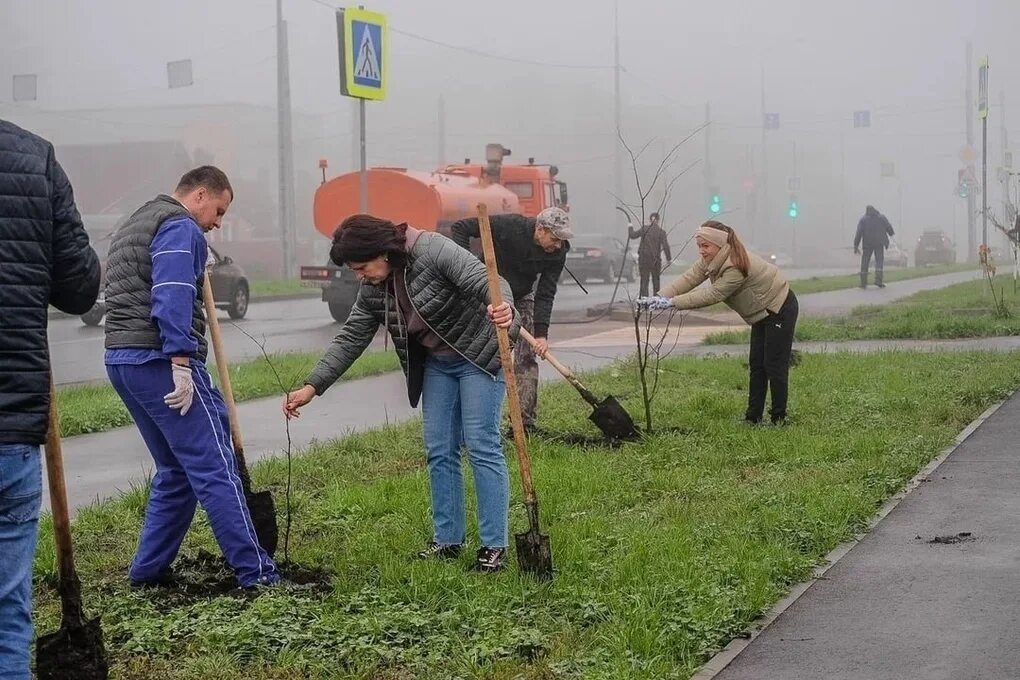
(654,302)
(184,389)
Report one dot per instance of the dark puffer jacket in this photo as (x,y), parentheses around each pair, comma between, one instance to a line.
(45,259)
(449,289)
(129,322)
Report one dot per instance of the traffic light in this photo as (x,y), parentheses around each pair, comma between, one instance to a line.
(715,202)
(962,185)
(794,210)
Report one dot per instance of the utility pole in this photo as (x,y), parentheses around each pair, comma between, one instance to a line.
(708,149)
(617,155)
(285,150)
(969,113)
(1007,209)
(983,113)
(442,131)
(842,182)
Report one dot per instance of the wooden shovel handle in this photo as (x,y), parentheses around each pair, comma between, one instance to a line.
(222,368)
(58,495)
(585,393)
(505,356)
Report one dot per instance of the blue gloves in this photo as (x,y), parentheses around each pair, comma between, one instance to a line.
(655,302)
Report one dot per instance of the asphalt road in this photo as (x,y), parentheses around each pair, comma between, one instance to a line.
(289,326)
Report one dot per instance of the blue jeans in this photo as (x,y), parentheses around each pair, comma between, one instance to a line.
(462,403)
(20,498)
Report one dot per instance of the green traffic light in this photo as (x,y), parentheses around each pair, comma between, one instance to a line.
(794,210)
(716,206)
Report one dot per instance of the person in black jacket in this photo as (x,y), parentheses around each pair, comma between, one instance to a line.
(873,232)
(530,254)
(45,259)
(653,244)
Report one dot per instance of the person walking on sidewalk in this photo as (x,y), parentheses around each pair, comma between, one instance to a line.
(45,259)
(530,254)
(873,232)
(155,357)
(756,290)
(433,299)
(654,243)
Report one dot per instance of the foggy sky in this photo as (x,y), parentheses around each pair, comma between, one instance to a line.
(821,60)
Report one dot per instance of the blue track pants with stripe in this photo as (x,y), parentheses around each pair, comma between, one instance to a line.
(194,462)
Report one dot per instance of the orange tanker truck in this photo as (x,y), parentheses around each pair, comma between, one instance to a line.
(427,200)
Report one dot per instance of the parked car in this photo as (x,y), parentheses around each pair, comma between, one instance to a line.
(600,257)
(895,256)
(231,290)
(934,247)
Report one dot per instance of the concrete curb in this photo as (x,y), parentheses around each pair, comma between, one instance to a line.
(730,652)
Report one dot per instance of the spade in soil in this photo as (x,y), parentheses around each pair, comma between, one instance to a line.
(75,651)
(608,414)
(534,554)
(261,505)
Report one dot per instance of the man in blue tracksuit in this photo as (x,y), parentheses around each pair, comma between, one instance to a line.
(155,357)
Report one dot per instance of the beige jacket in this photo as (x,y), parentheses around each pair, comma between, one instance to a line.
(763,290)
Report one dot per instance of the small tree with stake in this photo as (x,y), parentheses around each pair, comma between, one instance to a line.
(654,328)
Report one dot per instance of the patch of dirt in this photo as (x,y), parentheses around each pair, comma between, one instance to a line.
(952,539)
(72,653)
(206,576)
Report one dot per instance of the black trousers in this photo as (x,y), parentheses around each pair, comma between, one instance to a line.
(866,253)
(769,360)
(652,270)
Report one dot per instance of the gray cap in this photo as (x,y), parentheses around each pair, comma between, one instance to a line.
(557,221)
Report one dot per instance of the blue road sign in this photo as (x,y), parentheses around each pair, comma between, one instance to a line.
(862,119)
(363,64)
(771,121)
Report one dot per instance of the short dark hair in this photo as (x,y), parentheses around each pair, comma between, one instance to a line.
(361,238)
(654,216)
(209,177)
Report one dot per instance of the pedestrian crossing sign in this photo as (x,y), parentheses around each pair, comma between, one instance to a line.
(363,63)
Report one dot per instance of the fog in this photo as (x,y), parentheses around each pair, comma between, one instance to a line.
(538,77)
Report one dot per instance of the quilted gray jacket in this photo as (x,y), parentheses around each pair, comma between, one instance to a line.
(448,288)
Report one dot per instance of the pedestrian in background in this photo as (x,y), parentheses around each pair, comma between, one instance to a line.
(653,244)
(873,232)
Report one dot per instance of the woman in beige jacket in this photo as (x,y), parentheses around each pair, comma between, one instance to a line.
(758,292)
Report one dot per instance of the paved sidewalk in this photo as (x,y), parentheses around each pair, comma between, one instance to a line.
(899,605)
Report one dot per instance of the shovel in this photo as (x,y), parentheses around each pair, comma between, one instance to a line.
(534,554)
(608,414)
(75,651)
(261,505)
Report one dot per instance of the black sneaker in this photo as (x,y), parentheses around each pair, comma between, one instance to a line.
(167,579)
(489,560)
(880,285)
(446,551)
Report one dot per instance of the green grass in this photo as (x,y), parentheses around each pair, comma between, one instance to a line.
(274,287)
(86,409)
(822,284)
(963,310)
(666,549)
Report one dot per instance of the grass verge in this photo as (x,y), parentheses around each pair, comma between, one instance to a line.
(275,287)
(87,409)
(822,284)
(963,310)
(666,549)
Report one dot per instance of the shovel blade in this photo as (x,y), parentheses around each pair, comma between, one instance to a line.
(614,421)
(534,554)
(262,509)
(72,653)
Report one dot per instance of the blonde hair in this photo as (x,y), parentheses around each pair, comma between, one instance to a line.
(738,253)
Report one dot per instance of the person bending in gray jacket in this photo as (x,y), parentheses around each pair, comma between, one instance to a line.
(433,298)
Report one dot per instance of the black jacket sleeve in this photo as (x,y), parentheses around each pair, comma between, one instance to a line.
(462,231)
(665,247)
(75,267)
(860,233)
(545,294)
(633,233)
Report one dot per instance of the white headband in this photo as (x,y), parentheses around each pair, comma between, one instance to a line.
(712,235)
